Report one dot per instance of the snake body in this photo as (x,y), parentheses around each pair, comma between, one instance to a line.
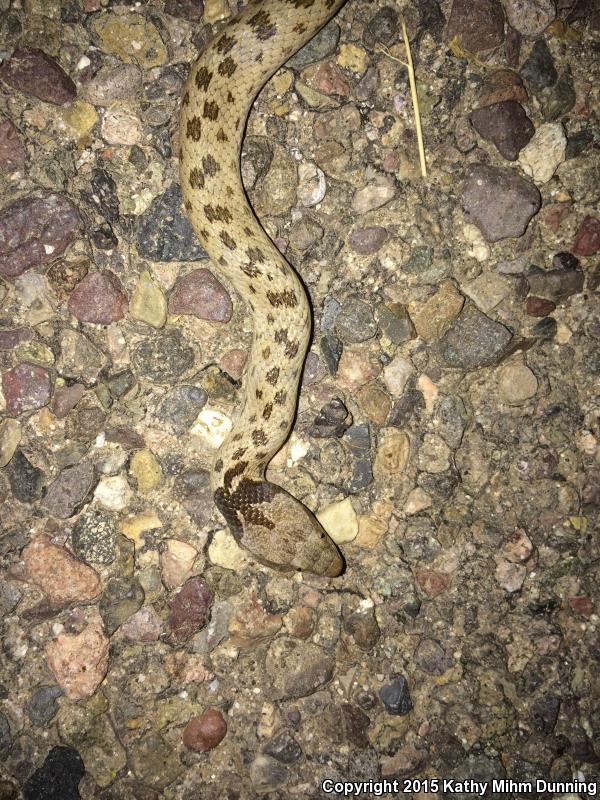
(277,529)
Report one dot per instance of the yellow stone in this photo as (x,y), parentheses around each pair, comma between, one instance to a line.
(313,98)
(135,527)
(132,38)
(148,304)
(225,552)
(146,470)
(80,117)
(371,530)
(353,57)
(281,81)
(393,452)
(176,562)
(216,10)
(340,521)
(10,436)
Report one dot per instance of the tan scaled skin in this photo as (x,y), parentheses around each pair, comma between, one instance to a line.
(275,527)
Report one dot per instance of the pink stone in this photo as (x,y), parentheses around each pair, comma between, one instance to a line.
(582,605)
(329,79)
(79,662)
(233,362)
(539,307)
(587,239)
(26,387)
(66,398)
(99,298)
(144,626)
(205,732)
(61,577)
(432,582)
(201,295)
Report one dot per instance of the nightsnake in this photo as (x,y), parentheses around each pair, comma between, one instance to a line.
(276,528)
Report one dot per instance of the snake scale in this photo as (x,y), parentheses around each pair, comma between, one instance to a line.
(276,528)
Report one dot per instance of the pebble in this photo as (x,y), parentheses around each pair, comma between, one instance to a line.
(121,599)
(121,126)
(212,427)
(164,233)
(397,374)
(283,747)
(432,582)
(145,469)
(276,193)
(190,609)
(396,696)
(394,320)
(113,493)
(418,500)
(267,774)
(10,437)
(154,763)
(42,705)
(517,384)
(504,124)
(199,293)
(544,712)
(69,490)
(474,340)
(213,634)
(510,576)
(500,86)
(164,357)
(530,17)
(367,241)
(33,72)
(318,48)
(112,84)
(132,38)
(358,365)
(340,521)
(148,303)
(539,71)
(176,562)
(60,576)
(355,322)
(181,406)
(79,662)
(435,316)
(430,656)
(312,184)
(99,298)
(205,732)
(382,27)
(143,626)
(546,150)
(25,479)
(477,24)
(297,668)
(12,153)
(519,547)
(488,290)
(79,358)
(374,195)
(34,231)
(538,306)
(393,452)
(587,238)
(499,201)
(66,398)
(363,627)
(555,284)
(58,778)
(559,99)
(94,537)
(225,552)
(334,419)
(26,387)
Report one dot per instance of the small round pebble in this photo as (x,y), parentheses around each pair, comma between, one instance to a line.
(205,732)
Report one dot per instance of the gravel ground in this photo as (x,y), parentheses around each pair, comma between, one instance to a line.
(447,432)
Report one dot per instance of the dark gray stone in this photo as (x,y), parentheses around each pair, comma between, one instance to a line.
(318,48)
(474,340)
(538,71)
(283,747)
(164,357)
(181,405)
(164,233)
(42,705)
(25,479)
(396,696)
(506,125)
(58,777)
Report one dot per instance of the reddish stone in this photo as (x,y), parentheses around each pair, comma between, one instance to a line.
(201,295)
(79,662)
(233,362)
(329,79)
(502,85)
(367,241)
(61,577)
(477,24)
(190,608)
(587,239)
(34,231)
(554,214)
(98,298)
(205,732)
(432,582)
(33,72)
(12,155)
(539,307)
(66,398)
(13,337)
(26,387)
(582,605)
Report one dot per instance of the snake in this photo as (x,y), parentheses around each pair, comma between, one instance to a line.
(276,528)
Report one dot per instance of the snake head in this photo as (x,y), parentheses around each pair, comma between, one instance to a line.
(278,530)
